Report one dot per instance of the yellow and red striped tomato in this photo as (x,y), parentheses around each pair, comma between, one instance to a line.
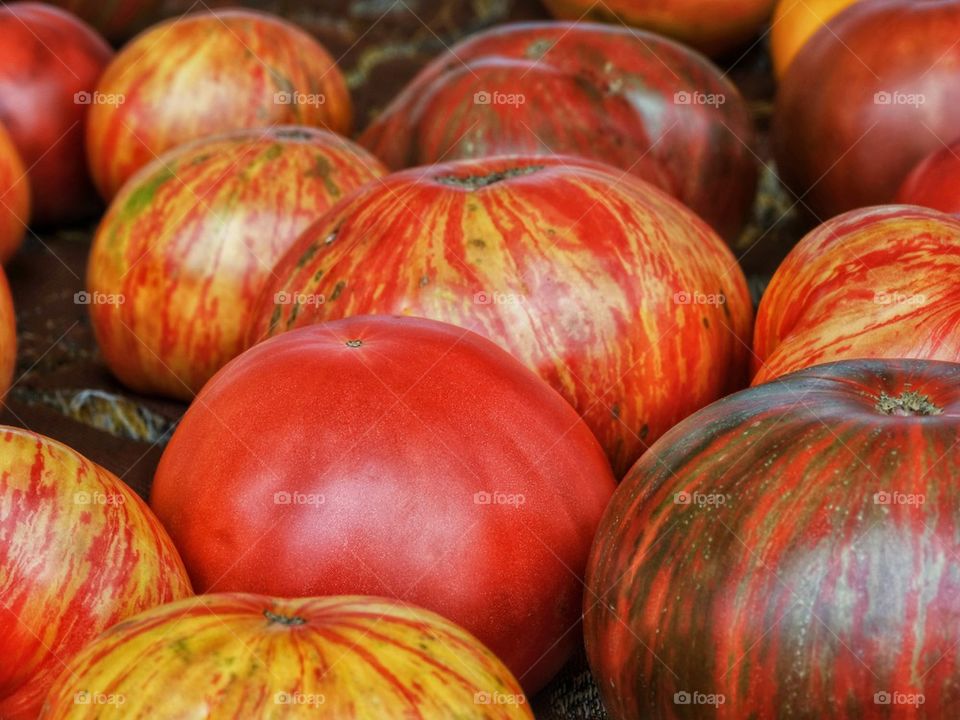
(206,74)
(250,656)
(79,551)
(621,298)
(713,26)
(14,198)
(872,283)
(789,552)
(180,258)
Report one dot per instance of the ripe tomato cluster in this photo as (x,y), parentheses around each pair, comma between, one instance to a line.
(482,385)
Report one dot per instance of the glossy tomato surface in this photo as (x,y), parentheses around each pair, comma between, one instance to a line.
(935,181)
(617,295)
(50,62)
(629,98)
(180,259)
(204,74)
(249,656)
(397,456)
(789,552)
(873,283)
(79,551)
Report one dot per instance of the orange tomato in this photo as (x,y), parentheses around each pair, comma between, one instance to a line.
(795,22)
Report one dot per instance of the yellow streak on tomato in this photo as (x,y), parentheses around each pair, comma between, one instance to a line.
(203,75)
(873,283)
(79,551)
(249,656)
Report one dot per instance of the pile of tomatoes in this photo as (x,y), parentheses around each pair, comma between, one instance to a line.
(485,384)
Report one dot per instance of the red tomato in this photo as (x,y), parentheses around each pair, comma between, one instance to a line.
(935,181)
(49,64)
(394,456)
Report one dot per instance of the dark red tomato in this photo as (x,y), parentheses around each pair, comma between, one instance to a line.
(628,98)
(789,552)
(935,181)
(118,20)
(49,64)
(401,457)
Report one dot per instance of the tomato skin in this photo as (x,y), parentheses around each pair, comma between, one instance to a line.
(337,657)
(47,57)
(607,288)
(205,74)
(172,280)
(15,192)
(934,182)
(424,463)
(821,578)
(713,26)
(79,552)
(872,283)
(856,111)
(632,99)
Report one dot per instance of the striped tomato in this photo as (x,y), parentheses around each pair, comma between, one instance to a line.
(180,257)
(396,456)
(206,74)
(714,26)
(14,198)
(249,656)
(789,551)
(49,64)
(631,99)
(613,292)
(935,181)
(873,283)
(79,551)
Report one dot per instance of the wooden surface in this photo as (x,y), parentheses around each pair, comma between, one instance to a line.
(63,390)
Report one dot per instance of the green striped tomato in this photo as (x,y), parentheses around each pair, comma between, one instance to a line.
(789,551)
(205,74)
(182,254)
(79,551)
(616,294)
(250,656)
